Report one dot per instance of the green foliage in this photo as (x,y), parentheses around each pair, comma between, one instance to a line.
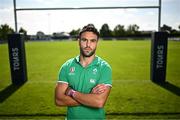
(119,31)
(169,29)
(105,31)
(23,31)
(132,91)
(132,29)
(4,31)
(75,32)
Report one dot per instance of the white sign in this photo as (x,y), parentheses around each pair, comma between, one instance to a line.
(15,57)
(160,59)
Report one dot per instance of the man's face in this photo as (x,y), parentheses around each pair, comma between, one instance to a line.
(87,43)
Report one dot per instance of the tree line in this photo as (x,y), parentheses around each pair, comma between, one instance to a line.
(5,29)
(105,31)
(131,31)
(118,31)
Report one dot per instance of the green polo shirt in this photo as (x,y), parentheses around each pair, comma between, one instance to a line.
(84,79)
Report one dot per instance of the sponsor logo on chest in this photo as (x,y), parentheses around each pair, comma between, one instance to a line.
(94,72)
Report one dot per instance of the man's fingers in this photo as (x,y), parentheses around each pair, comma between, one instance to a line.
(100,88)
(100,91)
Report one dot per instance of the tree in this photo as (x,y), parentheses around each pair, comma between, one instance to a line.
(166,28)
(179,27)
(4,31)
(105,31)
(40,35)
(75,32)
(133,29)
(119,31)
(174,31)
(22,30)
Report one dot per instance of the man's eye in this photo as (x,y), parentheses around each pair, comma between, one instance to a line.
(83,40)
(93,40)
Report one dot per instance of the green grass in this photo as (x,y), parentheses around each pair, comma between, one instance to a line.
(133,94)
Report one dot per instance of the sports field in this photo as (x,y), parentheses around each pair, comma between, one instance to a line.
(133,95)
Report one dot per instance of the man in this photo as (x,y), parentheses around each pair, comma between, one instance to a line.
(84,81)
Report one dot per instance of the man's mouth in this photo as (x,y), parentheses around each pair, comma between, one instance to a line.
(87,49)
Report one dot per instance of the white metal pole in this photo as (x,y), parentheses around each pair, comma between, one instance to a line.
(15,16)
(159,17)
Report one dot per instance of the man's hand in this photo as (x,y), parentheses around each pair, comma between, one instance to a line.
(100,88)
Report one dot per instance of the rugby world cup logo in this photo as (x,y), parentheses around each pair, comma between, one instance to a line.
(72,69)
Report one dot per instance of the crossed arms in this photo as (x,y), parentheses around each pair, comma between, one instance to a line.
(97,98)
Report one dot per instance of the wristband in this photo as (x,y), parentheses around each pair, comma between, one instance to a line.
(71,93)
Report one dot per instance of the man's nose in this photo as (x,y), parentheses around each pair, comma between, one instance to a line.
(88,43)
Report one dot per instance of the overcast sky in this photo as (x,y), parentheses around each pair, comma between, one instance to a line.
(58,21)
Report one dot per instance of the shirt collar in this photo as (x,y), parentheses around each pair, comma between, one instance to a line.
(94,62)
(77,59)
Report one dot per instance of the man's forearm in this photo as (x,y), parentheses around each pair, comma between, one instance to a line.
(66,101)
(96,98)
(93,100)
(61,99)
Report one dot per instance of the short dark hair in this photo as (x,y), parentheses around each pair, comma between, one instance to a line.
(89,28)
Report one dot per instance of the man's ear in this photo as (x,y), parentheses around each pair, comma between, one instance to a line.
(78,41)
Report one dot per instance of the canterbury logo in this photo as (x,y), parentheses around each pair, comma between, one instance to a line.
(92,81)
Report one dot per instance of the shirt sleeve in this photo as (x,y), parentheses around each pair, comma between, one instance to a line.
(62,77)
(106,76)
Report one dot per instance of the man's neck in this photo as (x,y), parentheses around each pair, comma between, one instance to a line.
(85,61)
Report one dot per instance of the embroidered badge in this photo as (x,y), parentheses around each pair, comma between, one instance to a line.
(94,70)
(72,71)
(92,81)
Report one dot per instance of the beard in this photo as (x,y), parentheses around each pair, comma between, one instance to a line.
(87,54)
